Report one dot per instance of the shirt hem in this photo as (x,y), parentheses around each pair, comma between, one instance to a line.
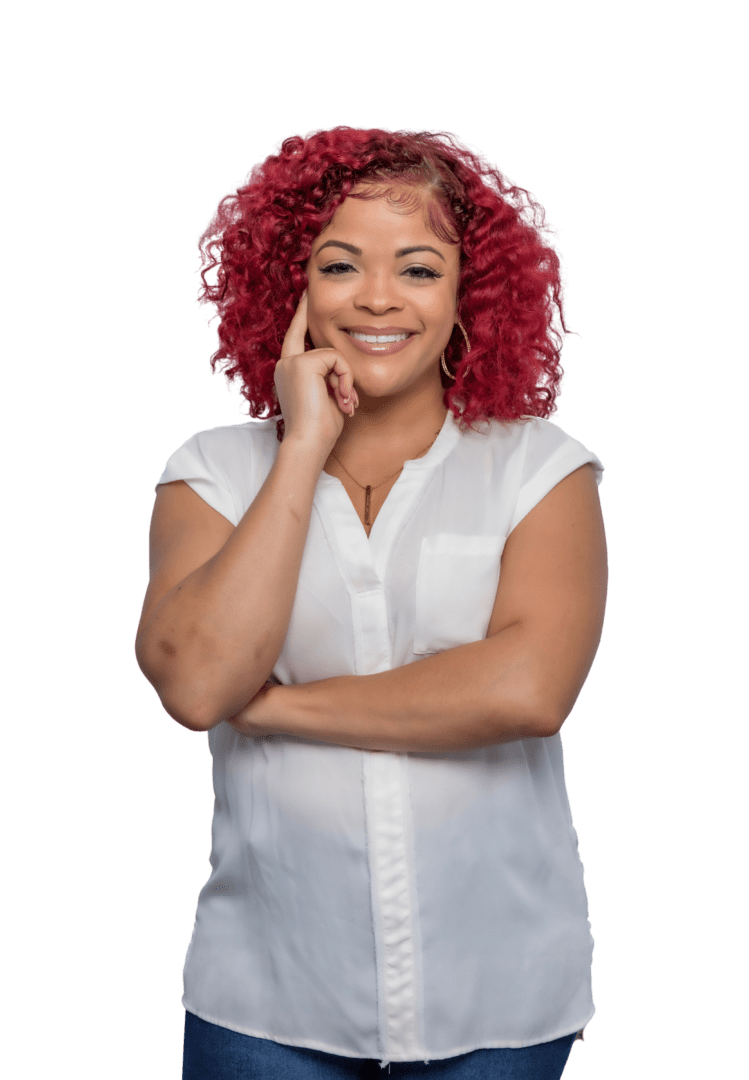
(426,1056)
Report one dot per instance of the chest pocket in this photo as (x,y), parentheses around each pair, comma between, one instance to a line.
(456,585)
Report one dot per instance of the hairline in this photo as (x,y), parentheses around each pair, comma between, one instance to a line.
(425,193)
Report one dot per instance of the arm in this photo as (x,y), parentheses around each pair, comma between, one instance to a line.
(194,638)
(219,600)
(464,697)
(520,682)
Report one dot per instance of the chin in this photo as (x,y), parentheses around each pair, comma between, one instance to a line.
(376,393)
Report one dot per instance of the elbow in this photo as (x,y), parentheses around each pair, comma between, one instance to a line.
(559,700)
(548,726)
(198,696)
(538,725)
(192,718)
(186,710)
(549,717)
(190,712)
(546,717)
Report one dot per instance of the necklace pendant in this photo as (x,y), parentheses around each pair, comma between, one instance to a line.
(367,503)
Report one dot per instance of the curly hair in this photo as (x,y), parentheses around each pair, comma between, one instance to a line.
(509,293)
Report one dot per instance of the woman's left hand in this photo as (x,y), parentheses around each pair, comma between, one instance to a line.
(259,717)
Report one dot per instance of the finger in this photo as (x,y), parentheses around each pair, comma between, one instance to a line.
(293,343)
(341,377)
(341,380)
(335,387)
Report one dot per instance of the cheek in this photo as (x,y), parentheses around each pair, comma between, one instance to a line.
(323,305)
(439,306)
(318,306)
(329,302)
(326,298)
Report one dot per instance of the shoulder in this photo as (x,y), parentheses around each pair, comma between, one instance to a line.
(540,445)
(526,429)
(516,437)
(226,449)
(225,465)
(254,433)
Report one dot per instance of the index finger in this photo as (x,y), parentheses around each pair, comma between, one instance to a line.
(293,343)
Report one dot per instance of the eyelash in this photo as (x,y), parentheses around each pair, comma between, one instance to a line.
(333,269)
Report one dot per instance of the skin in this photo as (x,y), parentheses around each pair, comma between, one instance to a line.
(398,399)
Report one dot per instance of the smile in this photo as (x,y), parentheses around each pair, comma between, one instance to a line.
(380,344)
(379,338)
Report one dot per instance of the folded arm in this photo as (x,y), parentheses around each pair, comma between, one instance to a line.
(521,681)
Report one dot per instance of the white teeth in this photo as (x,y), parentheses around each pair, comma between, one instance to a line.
(378,339)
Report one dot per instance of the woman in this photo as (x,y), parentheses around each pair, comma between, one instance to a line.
(395,871)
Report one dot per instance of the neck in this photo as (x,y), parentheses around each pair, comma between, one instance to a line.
(385,426)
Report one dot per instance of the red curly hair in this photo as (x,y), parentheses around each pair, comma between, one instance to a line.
(509,294)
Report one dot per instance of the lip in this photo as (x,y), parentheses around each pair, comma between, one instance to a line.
(372,349)
(379,329)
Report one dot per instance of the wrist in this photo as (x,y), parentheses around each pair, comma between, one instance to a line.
(261,716)
(304,453)
(288,709)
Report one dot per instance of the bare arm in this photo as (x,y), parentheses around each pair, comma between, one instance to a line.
(219,600)
(211,641)
(464,697)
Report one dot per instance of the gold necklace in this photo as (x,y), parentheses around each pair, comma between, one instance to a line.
(369,488)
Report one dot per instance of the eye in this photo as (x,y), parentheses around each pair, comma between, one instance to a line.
(336,268)
(422,272)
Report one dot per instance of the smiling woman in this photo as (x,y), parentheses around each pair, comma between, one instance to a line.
(384,829)
(508,292)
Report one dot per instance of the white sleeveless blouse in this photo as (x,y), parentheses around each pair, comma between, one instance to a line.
(400,906)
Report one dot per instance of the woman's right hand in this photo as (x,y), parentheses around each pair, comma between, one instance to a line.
(311,414)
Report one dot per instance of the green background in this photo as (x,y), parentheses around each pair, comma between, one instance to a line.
(124,125)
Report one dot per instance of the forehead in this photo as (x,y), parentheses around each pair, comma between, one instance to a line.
(385,221)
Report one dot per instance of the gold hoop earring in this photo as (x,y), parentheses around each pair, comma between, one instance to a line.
(467,343)
(468,349)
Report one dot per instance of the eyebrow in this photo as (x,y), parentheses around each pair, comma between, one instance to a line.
(399,254)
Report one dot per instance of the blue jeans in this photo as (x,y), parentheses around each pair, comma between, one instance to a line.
(216,1053)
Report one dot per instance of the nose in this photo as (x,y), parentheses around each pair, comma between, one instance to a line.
(378,293)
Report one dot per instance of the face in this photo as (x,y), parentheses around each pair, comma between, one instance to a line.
(378,272)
